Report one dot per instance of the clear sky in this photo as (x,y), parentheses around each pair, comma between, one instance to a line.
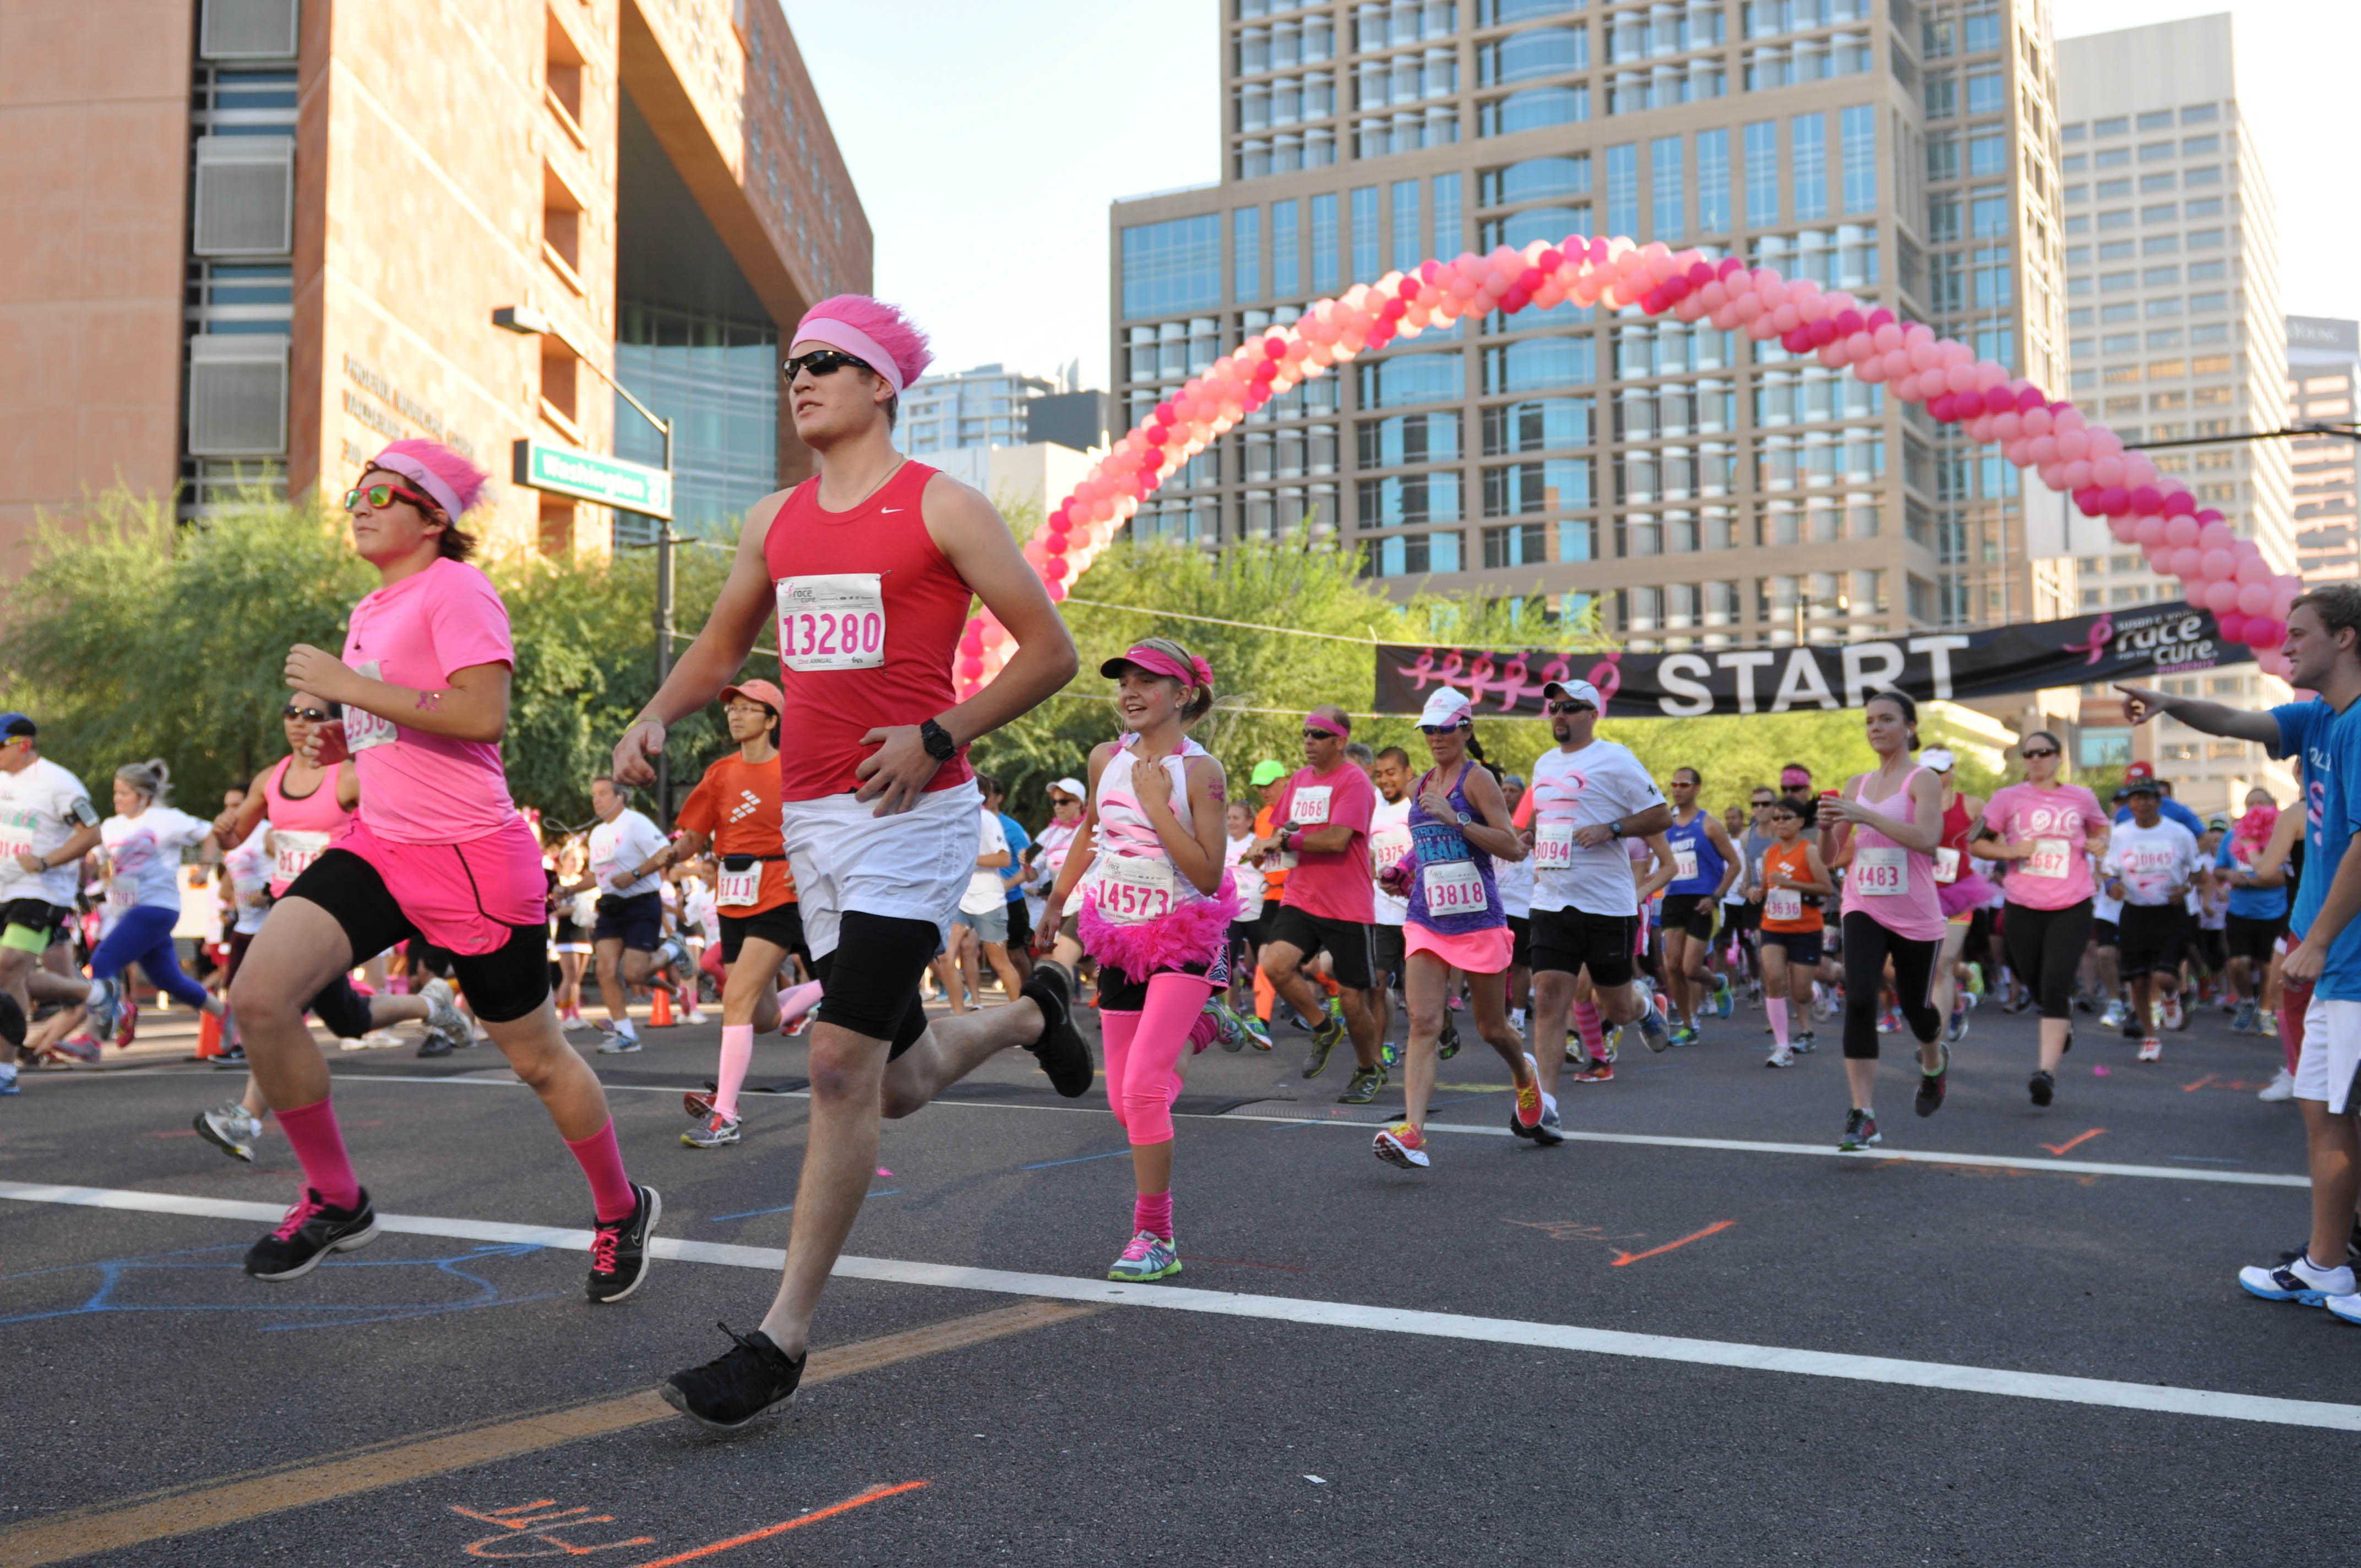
(987,140)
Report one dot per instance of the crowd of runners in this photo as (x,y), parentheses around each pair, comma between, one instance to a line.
(846,857)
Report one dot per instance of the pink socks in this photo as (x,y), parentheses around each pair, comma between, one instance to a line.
(736,1055)
(1152,1211)
(1777,1007)
(794,1003)
(319,1146)
(1591,1027)
(611,1197)
(1203,1032)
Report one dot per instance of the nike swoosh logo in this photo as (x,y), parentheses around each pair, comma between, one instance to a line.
(893,508)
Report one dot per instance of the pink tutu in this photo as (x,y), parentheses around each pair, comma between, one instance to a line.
(1192,934)
(1964,896)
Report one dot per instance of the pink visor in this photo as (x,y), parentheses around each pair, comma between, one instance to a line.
(1196,673)
(425,478)
(1794,776)
(843,334)
(1327,725)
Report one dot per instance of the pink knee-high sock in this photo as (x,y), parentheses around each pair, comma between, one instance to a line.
(1152,1211)
(1115,1033)
(736,1055)
(319,1146)
(611,1197)
(1777,1007)
(1203,1032)
(1587,1021)
(794,1004)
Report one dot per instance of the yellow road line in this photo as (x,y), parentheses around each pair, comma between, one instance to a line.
(208,1505)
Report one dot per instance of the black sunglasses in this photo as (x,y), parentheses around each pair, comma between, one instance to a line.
(309,715)
(2042,751)
(1571,707)
(822,362)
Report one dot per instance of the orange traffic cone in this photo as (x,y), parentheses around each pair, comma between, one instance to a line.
(209,1040)
(660,1017)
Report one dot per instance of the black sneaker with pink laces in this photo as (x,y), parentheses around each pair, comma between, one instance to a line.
(618,1251)
(312,1229)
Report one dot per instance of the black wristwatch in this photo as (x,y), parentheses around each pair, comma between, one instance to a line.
(937,741)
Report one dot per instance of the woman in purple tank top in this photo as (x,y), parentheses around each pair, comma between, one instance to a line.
(1883,828)
(1459,825)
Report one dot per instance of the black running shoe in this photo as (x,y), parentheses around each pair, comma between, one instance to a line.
(1366,1081)
(1063,1054)
(311,1230)
(1447,1046)
(1546,1132)
(740,1383)
(2042,1087)
(1932,1086)
(619,1252)
(1326,1036)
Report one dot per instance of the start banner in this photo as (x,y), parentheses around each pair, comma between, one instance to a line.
(2137,645)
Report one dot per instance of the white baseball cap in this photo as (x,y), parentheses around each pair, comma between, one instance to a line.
(1937,760)
(1446,708)
(1575,691)
(1070,787)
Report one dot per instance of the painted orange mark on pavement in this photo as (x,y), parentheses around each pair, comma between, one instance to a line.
(522,1521)
(1623,1257)
(2071,1143)
(874,1494)
(2193,1088)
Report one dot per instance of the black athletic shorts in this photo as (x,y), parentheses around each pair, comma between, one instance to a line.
(1520,934)
(1020,926)
(1351,953)
(1745,916)
(1121,991)
(782,927)
(1387,952)
(2253,938)
(1802,947)
(501,985)
(35,914)
(2105,933)
(1568,941)
(638,920)
(870,984)
(1691,912)
(2154,938)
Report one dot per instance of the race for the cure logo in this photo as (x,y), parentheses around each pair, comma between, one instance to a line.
(2181,640)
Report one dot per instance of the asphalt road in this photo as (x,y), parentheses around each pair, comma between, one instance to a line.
(1575,1350)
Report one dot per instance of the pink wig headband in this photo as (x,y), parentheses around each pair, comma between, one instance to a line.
(443,474)
(1328,726)
(875,334)
(1196,673)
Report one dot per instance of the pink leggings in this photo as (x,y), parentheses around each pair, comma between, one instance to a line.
(1143,1053)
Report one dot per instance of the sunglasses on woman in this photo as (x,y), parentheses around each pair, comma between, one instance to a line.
(381,497)
(822,362)
(308,715)
(2040,752)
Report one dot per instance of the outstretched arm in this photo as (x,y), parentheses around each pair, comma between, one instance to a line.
(713,659)
(2141,703)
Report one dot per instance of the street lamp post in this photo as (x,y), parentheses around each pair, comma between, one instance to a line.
(527,322)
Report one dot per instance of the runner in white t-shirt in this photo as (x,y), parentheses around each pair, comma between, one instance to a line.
(628,856)
(1587,796)
(1389,843)
(143,841)
(47,826)
(2151,865)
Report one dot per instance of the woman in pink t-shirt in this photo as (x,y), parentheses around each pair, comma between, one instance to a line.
(437,850)
(2045,832)
(1884,828)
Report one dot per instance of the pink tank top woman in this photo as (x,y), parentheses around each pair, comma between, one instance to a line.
(1139,912)
(1891,886)
(301,825)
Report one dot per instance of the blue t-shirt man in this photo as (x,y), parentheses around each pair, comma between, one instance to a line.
(2249,902)
(2329,743)
(1013,874)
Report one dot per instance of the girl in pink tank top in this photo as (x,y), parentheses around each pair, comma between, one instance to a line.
(1885,826)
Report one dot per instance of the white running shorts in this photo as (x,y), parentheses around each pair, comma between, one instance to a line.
(2332,1054)
(915,866)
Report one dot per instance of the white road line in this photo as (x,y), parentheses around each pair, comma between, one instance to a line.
(1644,1140)
(1333,1314)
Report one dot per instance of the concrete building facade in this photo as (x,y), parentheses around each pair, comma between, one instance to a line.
(982,407)
(279,230)
(1697,486)
(2324,388)
(2175,333)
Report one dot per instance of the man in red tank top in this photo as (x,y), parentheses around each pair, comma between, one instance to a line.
(864,573)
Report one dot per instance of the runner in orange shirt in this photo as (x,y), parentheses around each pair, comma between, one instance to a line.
(735,808)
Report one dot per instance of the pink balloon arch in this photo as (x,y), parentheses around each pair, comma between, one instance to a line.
(2218,570)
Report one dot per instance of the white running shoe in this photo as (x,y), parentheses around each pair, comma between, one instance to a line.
(619,1042)
(2281,1087)
(2175,1016)
(2297,1280)
(444,1021)
(2151,1049)
(1782,1057)
(230,1129)
(2113,1018)
(377,1040)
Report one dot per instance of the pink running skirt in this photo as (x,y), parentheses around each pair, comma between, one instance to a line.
(1488,951)
(468,897)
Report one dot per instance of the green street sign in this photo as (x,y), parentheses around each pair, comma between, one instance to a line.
(588,477)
